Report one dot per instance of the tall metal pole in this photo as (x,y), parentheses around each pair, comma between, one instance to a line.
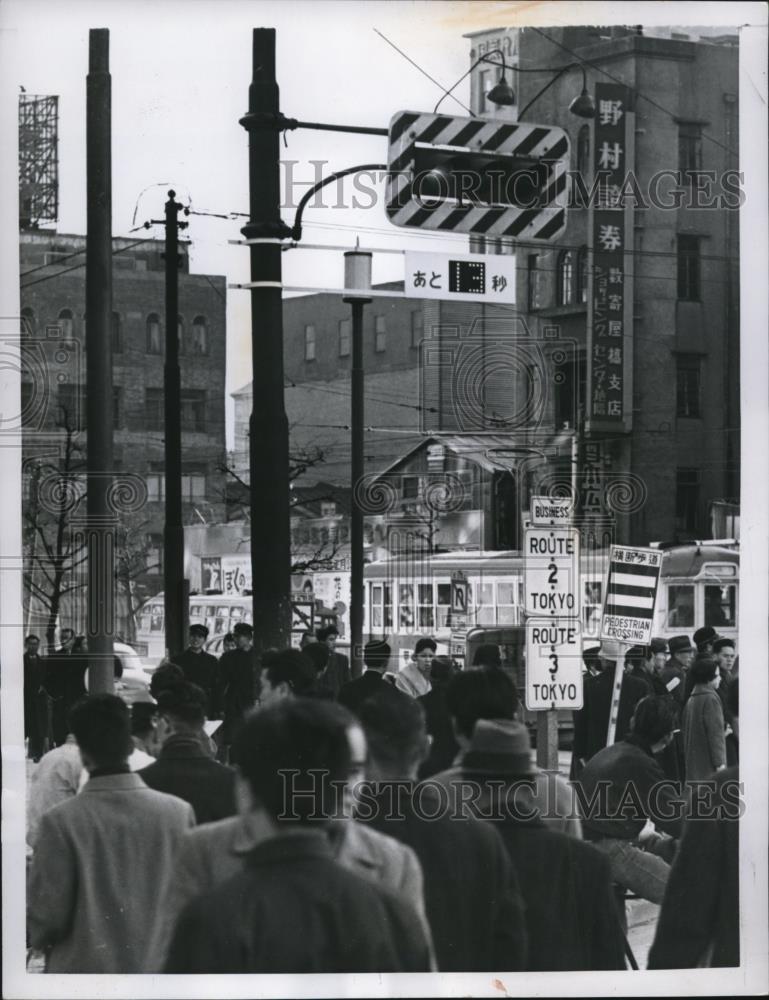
(100,533)
(268,427)
(173,532)
(357,275)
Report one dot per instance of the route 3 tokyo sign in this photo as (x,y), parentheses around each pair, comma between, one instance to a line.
(631,592)
(472,175)
(553,664)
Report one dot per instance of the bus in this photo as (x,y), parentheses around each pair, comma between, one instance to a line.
(219,612)
(405,599)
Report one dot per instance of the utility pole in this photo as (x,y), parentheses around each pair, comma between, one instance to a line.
(100,537)
(268,426)
(174,590)
(357,275)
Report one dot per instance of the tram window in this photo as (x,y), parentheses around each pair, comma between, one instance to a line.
(720,606)
(406,605)
(426,615)
(593,592)
(196,611)
(591,607)
(681,606)
(375,609)
(236,613)
(210,611)
(249,617)
(486,604)
(388,606)
(156,618)
(444,603)
(506,610)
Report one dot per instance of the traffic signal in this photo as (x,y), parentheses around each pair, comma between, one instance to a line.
(489,179)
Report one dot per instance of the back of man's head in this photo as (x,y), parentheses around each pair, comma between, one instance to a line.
(293,754)
(102,727)
(653,719)
(143,718)
(376,655)
(291,667)
(319,654)
(636,656)
(185,705)
(168,675)
(394,725)
(480,693)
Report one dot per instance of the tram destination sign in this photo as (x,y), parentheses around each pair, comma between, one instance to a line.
(553,664)
(551,571)
(631,592)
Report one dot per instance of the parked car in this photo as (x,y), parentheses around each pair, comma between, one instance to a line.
(132,679)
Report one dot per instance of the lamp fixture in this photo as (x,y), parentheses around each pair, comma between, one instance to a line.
(583,106)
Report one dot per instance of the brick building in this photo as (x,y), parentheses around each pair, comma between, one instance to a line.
(53,383)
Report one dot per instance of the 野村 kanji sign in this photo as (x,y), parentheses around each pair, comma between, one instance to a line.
(610,321)
(453,277)
(631,592)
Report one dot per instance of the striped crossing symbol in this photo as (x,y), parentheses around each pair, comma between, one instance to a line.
(542,216)
(631,593)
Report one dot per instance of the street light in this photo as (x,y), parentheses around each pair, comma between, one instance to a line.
(583,105)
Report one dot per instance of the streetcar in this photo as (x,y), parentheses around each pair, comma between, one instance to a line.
(406,599)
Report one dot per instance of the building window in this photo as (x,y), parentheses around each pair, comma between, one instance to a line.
(71,401)
(689,268)
(309,343)
(65,324)
(689,153)
(410,487)
(193,486)
(687,499)
(565,278)
(156,487)
(417,327)
(154,344)
(583,151)
(193,410)
(199,342)
(328,508)
(116,333)
(688,376)
(117,407)
(153,409)
(27,327)
(533,283)
(582,275)
(380,334)
(345,334)
(485,83)
(570,390)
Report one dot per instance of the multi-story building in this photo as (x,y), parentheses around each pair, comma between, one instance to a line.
(54,385)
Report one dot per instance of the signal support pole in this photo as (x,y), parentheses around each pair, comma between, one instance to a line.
(174,591)
(268,427)
(357,274)
(100,523)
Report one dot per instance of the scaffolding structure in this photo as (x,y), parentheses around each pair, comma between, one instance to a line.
(38,160)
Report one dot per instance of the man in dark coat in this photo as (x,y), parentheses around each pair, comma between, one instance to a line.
(699,923)
(623,787)
(236,684)
(337,672)
(675,670)
(443,746)
(572,920)
(36,705)
(376,657)
(591,722)
(199,666)
(183,768)
(65,682)
(640,663)
(472,898)
(293,908)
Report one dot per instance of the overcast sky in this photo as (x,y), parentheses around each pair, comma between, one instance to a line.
(180,76)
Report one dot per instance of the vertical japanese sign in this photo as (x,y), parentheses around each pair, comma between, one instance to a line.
(610,321)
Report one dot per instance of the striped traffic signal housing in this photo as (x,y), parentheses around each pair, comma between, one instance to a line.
(472,175)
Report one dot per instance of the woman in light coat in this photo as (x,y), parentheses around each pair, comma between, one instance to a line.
(703,722)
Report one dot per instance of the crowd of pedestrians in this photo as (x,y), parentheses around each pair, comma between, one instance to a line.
(272,813)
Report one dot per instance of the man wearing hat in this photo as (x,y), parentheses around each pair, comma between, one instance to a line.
(591,722)
(236,682)
(199,666)
(640,663)
(704,638)
(674,673)
(372,683)
(571,917)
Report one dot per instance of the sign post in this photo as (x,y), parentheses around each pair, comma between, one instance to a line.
(552,610)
